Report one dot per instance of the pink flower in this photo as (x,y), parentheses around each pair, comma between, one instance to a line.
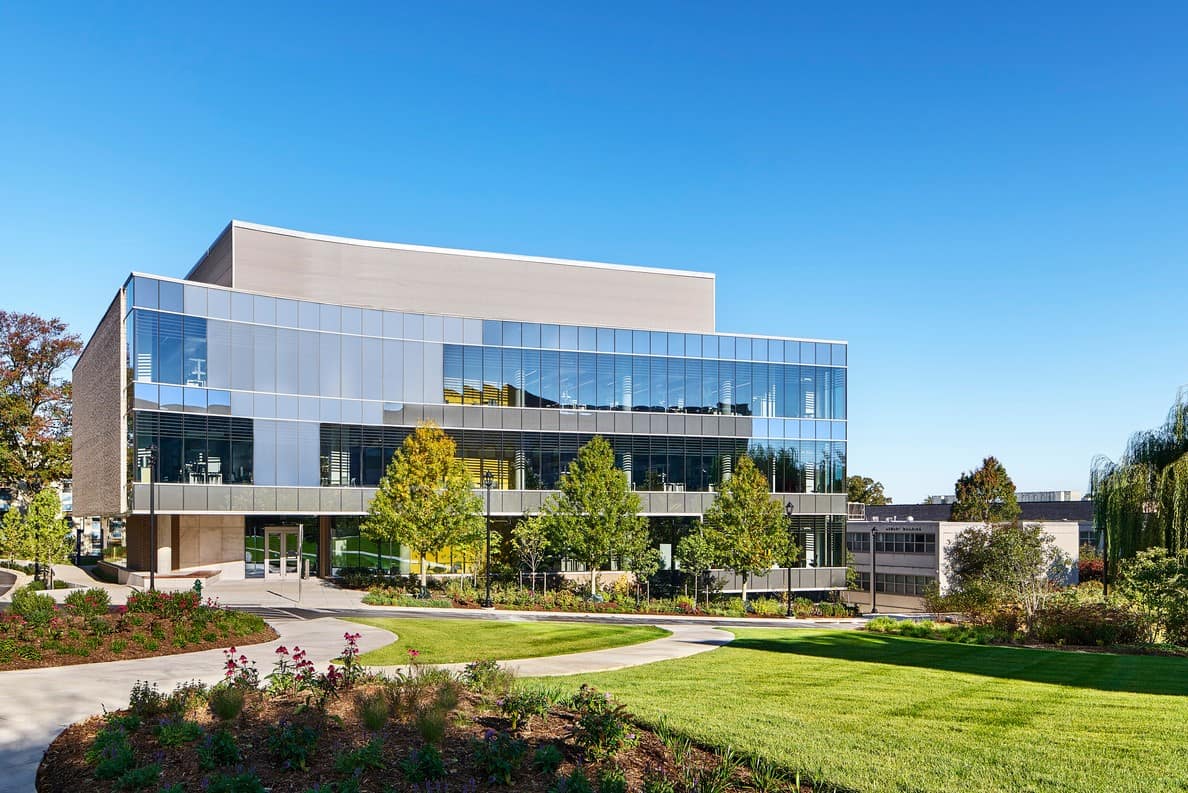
(282,650)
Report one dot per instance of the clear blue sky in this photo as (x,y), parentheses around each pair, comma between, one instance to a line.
(989,204)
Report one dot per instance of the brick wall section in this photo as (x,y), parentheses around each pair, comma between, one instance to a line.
(99,443)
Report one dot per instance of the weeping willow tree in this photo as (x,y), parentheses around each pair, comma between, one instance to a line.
(1141,501)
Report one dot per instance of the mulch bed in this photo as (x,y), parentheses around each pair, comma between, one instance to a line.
(134,636)
(65,770)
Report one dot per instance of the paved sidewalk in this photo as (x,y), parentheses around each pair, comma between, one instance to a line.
(37,704)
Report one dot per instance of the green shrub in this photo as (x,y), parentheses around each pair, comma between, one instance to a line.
(576,782)
(146,700)
(767,607)
(521,704)
(245,782)
(1086,624)
(487,677)
(602,728)
(34,608)
(373,709)
(225,702)
(612,780)
(217,749)
(292,745)
(111,753)
(369,756)
(139,778)
(499,755)
(547,758)
(92,602)
(423,765)
(175,732)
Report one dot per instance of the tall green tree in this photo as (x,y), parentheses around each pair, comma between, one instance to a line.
(745,526)
(530,543)
(986,494)
(35,415)
(864,490)
(425,499)
(595,515)
(1141,501)
(1005,564)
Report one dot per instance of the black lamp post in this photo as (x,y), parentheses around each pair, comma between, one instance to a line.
(488,482)
(874,558)
(152,452)
(78,533)
(788,509)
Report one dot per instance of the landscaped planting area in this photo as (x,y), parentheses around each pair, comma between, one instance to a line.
(37,632)
(872,712)
(570,597)
(342,731)
(443,641)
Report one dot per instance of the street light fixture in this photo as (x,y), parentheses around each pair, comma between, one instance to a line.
(874,558)
(488,482)
(152,452)
(788,509)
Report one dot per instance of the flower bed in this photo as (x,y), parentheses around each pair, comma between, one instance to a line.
(36,632)
(423,730)
(569,601)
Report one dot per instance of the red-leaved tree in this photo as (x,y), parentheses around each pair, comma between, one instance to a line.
(34,402)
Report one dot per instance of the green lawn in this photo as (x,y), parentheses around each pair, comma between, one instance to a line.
(871,712)
(444,641)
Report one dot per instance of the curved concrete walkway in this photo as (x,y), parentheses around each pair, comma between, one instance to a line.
(37,704)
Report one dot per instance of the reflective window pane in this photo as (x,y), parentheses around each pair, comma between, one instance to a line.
(492,332)
(352,320)
(194,300)
(569,339)
(241,307)
(264,310)
(329,317)
(286,313)
(144,292)
(170,298)
(587,339)
(218,303)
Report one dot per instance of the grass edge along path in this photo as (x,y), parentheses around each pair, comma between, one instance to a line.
(445,641)
(873,713)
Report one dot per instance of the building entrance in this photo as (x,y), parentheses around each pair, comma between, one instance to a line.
(282,551)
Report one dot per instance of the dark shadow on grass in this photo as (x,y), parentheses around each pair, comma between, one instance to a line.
(1140,674)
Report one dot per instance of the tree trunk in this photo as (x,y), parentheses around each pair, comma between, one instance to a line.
(424,574)
(593,580)
(744,590)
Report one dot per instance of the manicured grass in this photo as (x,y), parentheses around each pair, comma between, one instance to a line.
(444,641)
(871,712)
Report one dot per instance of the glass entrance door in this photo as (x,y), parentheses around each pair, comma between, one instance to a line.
(282,552)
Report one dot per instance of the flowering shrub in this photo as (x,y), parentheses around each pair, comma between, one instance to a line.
(170,605)
(88,602)
(238,670)
(350,659)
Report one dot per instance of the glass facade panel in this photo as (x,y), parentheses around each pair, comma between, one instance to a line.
(257,364)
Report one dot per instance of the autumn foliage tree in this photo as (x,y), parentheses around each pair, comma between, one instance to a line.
(34,402)
(426,498)
(986,494)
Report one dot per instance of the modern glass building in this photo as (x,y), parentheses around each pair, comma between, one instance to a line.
(277,379)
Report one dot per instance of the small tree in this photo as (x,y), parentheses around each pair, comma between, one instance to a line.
(46,533)
(1007,564)
(696,557)
(644,561)
(12,533)
(986,494)
(745,526)
(1156,583)
(864,490)
(425,499)
(530,542)
(595,515)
